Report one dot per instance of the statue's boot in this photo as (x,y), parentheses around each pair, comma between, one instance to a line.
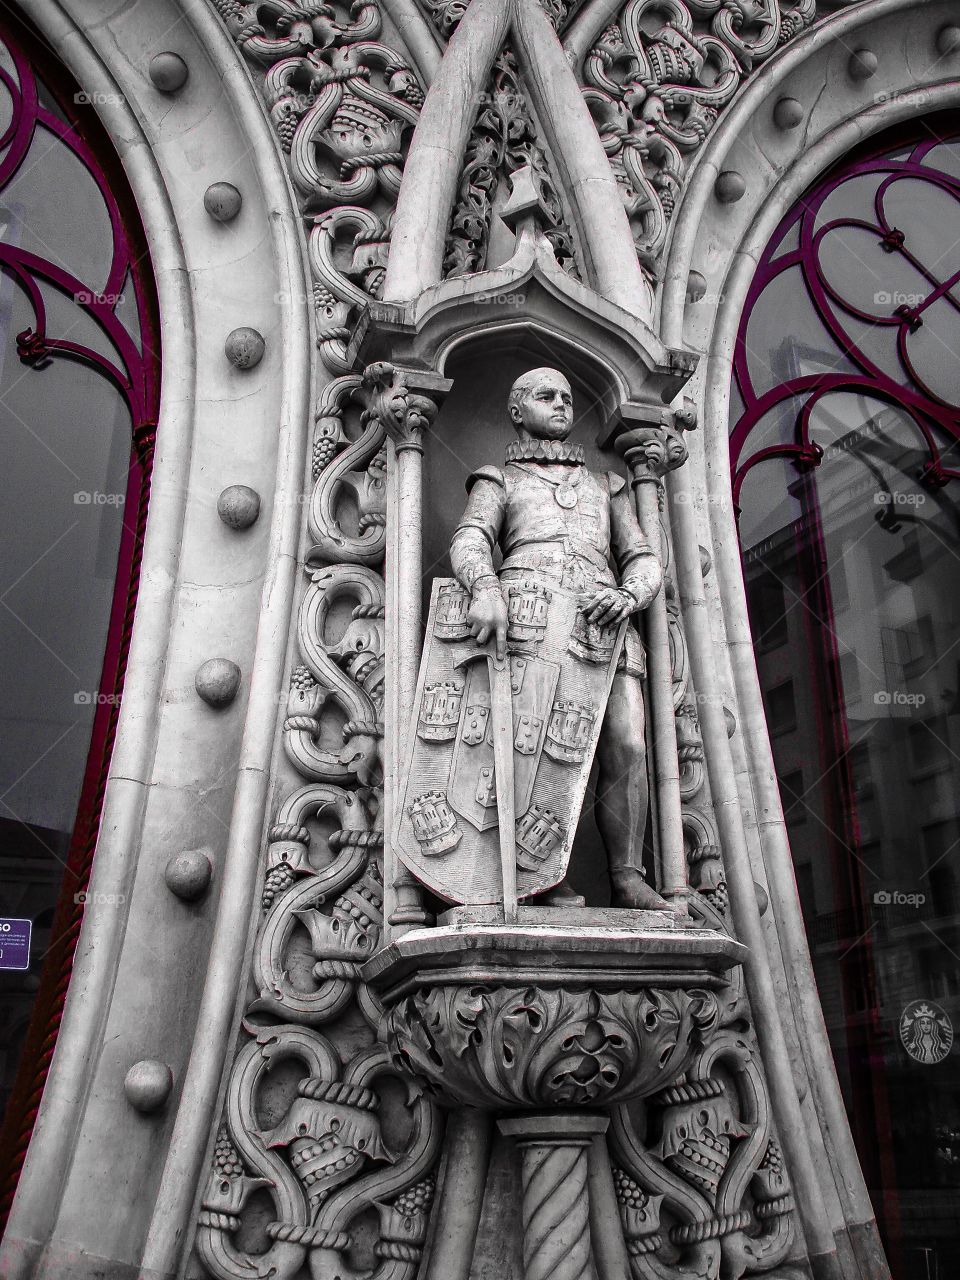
(561,895)
(631,890)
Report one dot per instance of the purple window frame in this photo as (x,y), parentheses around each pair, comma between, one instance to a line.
(937,424)
(136,376)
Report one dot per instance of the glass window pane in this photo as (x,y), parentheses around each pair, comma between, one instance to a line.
(72,394)
(851,558)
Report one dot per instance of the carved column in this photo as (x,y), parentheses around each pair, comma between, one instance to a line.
(556,1205)
(652,445)
(405,413)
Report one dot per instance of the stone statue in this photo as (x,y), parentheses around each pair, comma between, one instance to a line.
(556,612)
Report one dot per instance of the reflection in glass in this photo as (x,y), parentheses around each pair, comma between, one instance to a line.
(78,392)
(850,534)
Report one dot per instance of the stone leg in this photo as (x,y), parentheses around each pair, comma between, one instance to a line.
(622,793)
(554,1151)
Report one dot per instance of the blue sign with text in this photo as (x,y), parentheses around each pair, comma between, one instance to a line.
(15,943)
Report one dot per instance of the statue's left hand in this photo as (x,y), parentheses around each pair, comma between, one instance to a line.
(608,606)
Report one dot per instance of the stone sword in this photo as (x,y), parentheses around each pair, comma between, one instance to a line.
(501,714)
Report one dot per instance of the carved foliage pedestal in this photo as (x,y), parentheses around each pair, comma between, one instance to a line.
(550,1022)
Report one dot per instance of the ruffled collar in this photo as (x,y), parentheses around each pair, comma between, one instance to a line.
(544,451)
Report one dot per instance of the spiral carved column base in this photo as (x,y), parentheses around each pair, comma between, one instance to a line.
(556,1201)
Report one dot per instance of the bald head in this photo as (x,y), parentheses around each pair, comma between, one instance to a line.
(541,404)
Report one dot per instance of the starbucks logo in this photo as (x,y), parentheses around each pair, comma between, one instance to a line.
(926,1032)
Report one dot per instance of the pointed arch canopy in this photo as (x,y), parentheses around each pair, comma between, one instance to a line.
(433,166)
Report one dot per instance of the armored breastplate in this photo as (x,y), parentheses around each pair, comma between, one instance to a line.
(570,544)
(534,516)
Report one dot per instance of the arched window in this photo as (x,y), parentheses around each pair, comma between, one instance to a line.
(844,447)
(78,406)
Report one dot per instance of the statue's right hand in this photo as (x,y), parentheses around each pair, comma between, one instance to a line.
(487,616)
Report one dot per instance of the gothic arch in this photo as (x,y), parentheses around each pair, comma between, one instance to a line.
(206,592)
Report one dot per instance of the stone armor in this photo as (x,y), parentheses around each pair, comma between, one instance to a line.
(515,508)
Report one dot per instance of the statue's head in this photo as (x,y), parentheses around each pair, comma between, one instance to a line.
(541,405)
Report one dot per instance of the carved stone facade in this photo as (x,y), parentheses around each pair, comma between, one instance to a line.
(385,1075)
(342,104)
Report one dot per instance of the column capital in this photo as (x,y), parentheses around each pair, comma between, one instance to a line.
(650,438)
(571,1128)
(405,400)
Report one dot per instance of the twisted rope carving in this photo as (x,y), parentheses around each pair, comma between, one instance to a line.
(312,1237)
(218,1221)
(291,831)
(556,1221)
(398,1252)
(355,839)
(712,1229)
(346,1095)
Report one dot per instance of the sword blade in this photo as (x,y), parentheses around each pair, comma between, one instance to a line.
(501,708)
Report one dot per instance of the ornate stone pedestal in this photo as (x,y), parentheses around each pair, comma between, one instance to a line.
(550,1013)
(568,1009)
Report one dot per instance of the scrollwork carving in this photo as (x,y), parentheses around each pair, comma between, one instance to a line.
(656,91)
(687,1190)
(328,1136)
(343,106)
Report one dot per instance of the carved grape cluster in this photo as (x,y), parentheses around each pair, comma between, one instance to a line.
(230,9)
(225,1158)
(323,450)
(277,879)
(773,1158)
(629,1195)
(413,94)
(416,1199)
(302,679)
(286,128)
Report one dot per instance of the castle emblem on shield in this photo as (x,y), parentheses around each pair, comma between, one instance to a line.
(440,710)
(446,827)
(435,824)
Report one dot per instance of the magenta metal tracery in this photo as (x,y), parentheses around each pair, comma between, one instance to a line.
(128,359)
(844,452)
(900,379)
(133,372)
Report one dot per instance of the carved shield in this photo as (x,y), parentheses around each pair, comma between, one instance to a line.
(446,828)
